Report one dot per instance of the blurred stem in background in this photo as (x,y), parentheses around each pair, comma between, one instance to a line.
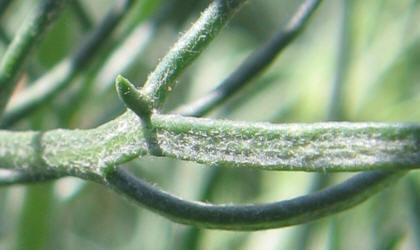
(413,188)
(86,22)
(128,46)
(4,37)
(36,227)
(63,74)
(3,6)
(36,219)
(20,48)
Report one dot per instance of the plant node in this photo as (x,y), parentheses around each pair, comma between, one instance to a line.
(134,99)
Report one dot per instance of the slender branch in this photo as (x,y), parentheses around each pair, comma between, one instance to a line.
(82,16)
(34,223)
(254,64)
(336,105)
(3,6)
(21,46)
(414,205)
(162,80)
(117,58)
(4,37)
(62,75)
(253,217)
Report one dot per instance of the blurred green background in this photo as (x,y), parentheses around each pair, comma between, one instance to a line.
(369,49)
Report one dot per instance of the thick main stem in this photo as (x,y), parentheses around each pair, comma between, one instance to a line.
(298,147)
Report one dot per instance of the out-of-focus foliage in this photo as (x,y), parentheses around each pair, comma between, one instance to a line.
(380,83)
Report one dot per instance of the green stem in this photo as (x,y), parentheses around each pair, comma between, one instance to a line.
(253,217)
(299,147)
(121,50)
(83,17)
(162,80)
(414,206)
(8,177)
(21,46)
(336,105)
(4,37)
(36,218)
(3,6)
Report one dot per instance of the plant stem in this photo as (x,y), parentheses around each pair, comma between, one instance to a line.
(162,80)
(253,217)
(298,147)
(8,177)
(36,217)
(4,37)
(86,23)
(336,106)
(21,46)
(3,6)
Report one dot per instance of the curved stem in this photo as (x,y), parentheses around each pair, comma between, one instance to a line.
(253,217)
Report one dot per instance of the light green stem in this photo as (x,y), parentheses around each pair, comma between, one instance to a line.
(300,147)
